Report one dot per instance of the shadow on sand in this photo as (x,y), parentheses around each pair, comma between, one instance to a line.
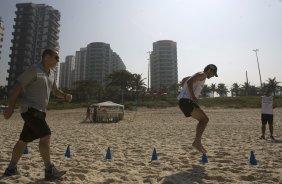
(277,141)
(194,175)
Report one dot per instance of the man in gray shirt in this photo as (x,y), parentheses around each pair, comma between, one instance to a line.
(35,84)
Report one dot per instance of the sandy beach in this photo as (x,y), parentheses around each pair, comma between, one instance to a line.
(229,138)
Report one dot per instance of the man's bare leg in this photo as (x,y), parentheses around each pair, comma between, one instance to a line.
(199,114)
(17,153)
(271,129)
(263,127)
(44,149)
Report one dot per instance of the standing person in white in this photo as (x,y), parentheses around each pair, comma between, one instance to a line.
(267,105)
(188,102)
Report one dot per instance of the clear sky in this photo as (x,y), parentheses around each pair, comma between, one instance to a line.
(222,32)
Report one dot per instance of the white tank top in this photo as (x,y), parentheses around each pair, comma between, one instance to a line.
(197,88)
(266,104)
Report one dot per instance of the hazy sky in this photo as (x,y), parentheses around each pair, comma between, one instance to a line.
(222,32)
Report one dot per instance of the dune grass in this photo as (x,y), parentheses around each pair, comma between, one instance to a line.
(221,102)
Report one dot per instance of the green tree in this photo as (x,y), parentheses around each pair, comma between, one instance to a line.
(205,91)
(222,90)
(213,89)
(273,85)
(88,88)
(121,79)
(235,89)
(245,88)
(138,85)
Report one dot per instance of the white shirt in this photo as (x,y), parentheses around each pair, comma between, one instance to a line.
(197,88)
(267,104)
(38,85)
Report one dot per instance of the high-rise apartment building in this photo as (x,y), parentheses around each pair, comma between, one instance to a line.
(117,63)
(80,65)
(67,73)
(1,35)
(62,76)
(163,64)
(93,62)
(99,61)
(36,28)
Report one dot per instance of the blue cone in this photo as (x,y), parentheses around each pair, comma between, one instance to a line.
(204,158)
(25,151)
(253,160)
(154,155)
(108,155)
(68,153)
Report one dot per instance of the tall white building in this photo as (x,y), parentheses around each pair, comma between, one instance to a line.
(92,63)
(163,65)
(1,35)
(80,65)
(99,61)
(67,73)
(62,76)
(117,63)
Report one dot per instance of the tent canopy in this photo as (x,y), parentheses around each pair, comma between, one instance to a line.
(107,104)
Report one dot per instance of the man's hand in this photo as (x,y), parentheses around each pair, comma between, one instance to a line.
(68,97)
(8,112)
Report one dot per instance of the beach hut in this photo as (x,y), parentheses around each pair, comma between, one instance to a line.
(106,112)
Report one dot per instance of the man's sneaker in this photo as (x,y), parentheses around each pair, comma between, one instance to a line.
(271,137)
(11,172)
(52,173)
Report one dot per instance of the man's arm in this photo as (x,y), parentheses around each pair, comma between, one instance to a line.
(274,104)
(60,94)
(15,92)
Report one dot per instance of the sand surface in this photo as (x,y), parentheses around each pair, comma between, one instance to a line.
(229,137)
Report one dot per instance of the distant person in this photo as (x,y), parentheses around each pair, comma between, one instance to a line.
(267,105)
(188,102)
(35,83)
(87,118)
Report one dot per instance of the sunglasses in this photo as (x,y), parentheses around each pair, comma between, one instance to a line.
(57,58)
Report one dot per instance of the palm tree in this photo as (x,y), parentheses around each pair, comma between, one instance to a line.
(205,91)
(138,85)
(121,79)
(235,89)
(273,84)
(222,90)
(253,90)
(87,88)
(245,88)
(213,89)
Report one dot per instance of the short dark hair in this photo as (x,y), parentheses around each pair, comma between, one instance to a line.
(212,67)
(48,52)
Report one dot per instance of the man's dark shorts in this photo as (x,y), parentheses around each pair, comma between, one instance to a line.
(267,118)
(35,125)
(187,106)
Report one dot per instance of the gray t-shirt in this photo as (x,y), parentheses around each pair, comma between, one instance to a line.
(37,85)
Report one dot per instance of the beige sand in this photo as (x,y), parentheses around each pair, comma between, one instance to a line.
(228,138)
